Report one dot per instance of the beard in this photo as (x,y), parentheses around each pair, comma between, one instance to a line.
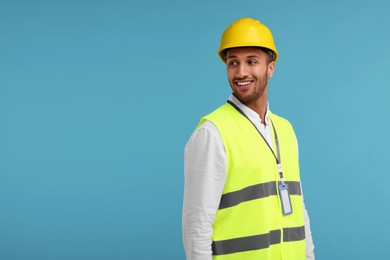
(255,94)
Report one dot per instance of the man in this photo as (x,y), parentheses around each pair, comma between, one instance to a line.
(242,195)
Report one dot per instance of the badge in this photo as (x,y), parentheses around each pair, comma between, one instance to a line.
(285,198)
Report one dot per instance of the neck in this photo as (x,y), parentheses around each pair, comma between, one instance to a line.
(260,107)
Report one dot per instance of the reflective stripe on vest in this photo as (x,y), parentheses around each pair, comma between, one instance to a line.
(256,192)
(257,242)
(249,223)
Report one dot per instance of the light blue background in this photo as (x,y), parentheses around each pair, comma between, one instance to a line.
(98,98)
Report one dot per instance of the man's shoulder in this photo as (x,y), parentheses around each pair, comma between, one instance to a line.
(207,125)
(280,121)
(221,109)
(278,117)
(217,114)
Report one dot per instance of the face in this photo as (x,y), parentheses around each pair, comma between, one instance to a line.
(248,71)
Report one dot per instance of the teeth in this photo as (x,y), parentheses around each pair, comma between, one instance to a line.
(243,83)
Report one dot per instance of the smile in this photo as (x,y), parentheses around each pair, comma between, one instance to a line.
(242,85)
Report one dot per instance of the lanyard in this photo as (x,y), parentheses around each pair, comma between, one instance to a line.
(277,155)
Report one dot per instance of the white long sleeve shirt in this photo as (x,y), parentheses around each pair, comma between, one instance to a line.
(205,175)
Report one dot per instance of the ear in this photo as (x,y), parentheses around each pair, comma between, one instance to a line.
(271,69)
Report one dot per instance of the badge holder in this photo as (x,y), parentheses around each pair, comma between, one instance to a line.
(285,198)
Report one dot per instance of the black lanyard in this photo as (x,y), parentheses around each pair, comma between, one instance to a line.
(277,156)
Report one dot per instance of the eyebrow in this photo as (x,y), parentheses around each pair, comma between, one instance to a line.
(253,56)
(231,56)
(248,57)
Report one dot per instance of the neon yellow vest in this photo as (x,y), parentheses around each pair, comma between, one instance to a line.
(249,223)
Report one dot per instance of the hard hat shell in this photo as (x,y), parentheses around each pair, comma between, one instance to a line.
(247,32)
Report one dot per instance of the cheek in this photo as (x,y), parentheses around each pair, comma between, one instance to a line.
(257,70)
(230,74)
(262,73)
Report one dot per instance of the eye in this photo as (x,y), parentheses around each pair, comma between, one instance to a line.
(232,63)
(252,62)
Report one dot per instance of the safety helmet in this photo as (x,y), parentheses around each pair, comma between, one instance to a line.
(247,32)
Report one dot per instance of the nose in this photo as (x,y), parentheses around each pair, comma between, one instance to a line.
(242,71)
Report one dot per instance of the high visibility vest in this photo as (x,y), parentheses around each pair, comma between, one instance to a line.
(249,223)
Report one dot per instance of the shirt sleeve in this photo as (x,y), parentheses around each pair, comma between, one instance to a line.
(204,180)
(308,236)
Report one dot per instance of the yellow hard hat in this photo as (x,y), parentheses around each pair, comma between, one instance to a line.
(247,32)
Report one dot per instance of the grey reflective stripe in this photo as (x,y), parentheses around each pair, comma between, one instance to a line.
(257,242)
(236,245)
(293,234)
(294,187)
(249,193)
(256,192)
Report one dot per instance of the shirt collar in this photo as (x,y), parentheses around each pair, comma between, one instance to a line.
(252,115)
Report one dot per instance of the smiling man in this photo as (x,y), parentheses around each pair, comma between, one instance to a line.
(243,197)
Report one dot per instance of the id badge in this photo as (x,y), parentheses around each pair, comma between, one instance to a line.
(285,198)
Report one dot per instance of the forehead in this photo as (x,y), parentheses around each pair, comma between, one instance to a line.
(243,52)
